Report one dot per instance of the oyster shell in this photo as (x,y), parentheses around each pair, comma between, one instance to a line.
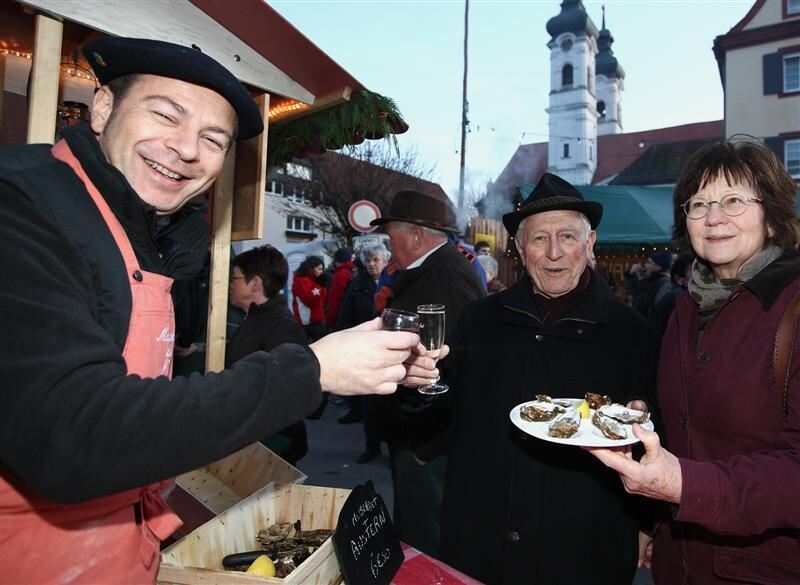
(540,411)
(597,400)
(609,427)
(626,416)
(543,398)
(565,425)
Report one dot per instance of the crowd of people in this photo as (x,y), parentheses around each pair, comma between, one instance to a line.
(94,426)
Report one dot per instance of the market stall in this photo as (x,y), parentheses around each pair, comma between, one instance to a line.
(301,94)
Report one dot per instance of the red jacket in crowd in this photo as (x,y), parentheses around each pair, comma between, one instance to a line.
(308,303)
(342,276)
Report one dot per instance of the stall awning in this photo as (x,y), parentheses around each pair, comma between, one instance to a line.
(633,215)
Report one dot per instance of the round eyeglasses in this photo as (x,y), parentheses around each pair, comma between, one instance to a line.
(731,205)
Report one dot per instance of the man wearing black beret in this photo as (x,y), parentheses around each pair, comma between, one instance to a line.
(518,509)
(95,229)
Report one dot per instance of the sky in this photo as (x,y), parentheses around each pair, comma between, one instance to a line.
(412,51)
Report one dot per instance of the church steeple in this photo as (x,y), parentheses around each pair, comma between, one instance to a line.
(572,148)
(610,76)
(607,64)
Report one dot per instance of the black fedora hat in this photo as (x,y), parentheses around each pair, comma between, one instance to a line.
(113,57)
(420,209)
(553,193)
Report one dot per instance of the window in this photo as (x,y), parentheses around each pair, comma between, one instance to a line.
(566,75)
(601,108)
(782,73)
(295,223)
(792,6)
(275,187)
(791,72)
(791,157)
(566,151)
(296,195)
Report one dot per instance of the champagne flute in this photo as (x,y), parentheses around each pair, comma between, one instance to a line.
(431,335)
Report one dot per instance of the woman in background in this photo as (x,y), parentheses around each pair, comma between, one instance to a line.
(308,302)
(257,280)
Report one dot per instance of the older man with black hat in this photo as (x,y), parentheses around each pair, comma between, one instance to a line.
(432,271)
(518,509)
(95,229)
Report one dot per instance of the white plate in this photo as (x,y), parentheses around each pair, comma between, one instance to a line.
(588,435)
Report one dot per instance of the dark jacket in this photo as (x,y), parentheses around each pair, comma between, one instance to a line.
(266,327)
(739,516)
(359,302)
(645,292)
(73,424)
(517,509)
(407,418)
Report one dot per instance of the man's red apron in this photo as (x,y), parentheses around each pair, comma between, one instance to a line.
(114,539)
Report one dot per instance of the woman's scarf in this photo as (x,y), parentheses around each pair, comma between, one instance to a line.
(711,292)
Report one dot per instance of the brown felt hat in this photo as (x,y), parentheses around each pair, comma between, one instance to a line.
(553,193)
(420,209)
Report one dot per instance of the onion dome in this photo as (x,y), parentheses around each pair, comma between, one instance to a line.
(606,63)
(573,18)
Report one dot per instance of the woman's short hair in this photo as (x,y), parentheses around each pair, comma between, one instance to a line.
(266,262)
(370,250)
(748,161)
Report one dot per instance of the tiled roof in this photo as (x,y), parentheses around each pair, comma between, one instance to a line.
(660,164)
(617,151)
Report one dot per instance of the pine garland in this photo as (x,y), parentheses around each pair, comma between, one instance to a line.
(365,115)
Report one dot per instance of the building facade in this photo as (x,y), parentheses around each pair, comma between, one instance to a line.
(759,64)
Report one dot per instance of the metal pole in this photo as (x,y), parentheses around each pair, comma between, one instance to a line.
(464,109)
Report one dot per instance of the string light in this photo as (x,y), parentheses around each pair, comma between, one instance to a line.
(285,108)
(68,68)
(16,53)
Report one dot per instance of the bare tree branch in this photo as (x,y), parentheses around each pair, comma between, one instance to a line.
(372,171)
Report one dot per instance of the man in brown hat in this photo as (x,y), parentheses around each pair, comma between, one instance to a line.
(432,270)
(518,509)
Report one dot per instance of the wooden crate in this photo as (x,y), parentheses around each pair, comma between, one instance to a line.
(197,558)
(201,494)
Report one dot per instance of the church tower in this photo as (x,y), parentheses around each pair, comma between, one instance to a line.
(610,83)
(572,149)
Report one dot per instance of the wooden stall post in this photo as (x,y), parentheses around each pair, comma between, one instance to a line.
(250,183)
(2,82)
(222,206)
(45,73)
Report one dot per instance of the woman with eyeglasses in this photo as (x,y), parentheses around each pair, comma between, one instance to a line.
(730,468)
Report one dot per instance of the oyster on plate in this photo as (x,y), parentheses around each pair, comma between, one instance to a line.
(597,400)
(539,411)
(624,415)
(565,425)
(609,427)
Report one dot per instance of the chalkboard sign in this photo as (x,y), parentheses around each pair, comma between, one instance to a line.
(365,540)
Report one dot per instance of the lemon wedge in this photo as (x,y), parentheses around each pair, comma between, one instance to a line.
(262,567)
(583,408)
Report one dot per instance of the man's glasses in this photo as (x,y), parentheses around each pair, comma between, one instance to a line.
(731,205)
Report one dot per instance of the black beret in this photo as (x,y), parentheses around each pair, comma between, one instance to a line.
(112,57)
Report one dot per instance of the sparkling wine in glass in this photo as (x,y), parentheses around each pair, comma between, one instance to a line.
(431,335)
